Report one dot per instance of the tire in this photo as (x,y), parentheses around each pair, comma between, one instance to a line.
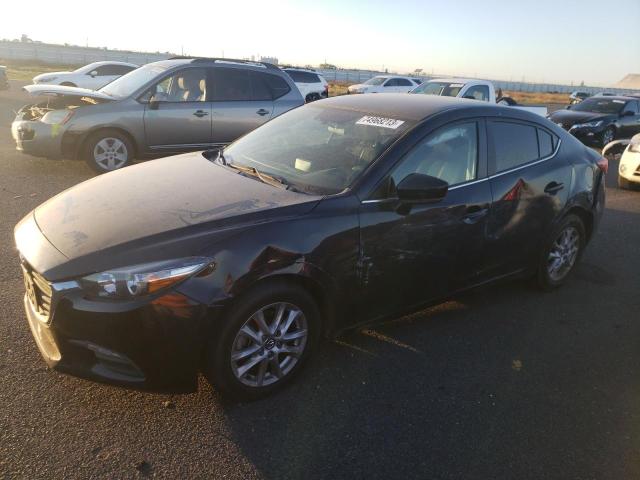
(254,375)
(107,150)
(552,275)
(68,84)
(623,183)
(609,135)
(312,97)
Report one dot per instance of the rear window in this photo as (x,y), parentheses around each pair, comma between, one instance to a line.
(515,144)
(278,85)
(303,77)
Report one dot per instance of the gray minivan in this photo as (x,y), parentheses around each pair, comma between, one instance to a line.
(162,108)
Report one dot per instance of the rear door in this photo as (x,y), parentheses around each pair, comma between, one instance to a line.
(242,101)
(530,186)
(177,115)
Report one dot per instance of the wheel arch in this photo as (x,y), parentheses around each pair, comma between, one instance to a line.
(83,141)
(584,215)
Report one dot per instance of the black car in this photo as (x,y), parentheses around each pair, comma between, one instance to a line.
(339,213)
(597,121)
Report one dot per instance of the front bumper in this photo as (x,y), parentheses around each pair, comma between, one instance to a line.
(589,135)
(37,138)
(155,346)
(629,167)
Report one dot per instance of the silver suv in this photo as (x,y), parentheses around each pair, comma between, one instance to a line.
(162,108)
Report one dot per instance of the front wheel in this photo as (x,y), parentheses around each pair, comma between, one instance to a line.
(561,253)
(263,342)
(107,150)
(623,183)
(608,136)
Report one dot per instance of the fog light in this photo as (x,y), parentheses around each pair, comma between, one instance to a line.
(623,168)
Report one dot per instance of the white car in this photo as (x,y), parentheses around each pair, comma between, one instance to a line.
(312,85)
(93,76)
(629,168)
(386,84)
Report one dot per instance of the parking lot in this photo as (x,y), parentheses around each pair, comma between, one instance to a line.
(502,383)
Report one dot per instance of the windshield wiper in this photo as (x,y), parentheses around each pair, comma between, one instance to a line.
(263,177)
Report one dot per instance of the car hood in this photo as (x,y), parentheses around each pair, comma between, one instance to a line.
(50,74)
(64,91)
(570,117)
(149,206)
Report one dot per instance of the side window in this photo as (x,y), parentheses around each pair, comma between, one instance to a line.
(260,86)
(391,83)
(545,142)
(231,84)
(478,92)
(515,144)
(295,76)
(450,154)
(189,85)
(403,82)
(633,106)
(105,70)
(278,85)
(122,69)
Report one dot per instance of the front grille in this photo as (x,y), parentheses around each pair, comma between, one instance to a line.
(38,290)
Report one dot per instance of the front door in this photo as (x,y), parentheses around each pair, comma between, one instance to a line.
(630,122)
(530,187)
(242,101)
(415,253)
(178,115)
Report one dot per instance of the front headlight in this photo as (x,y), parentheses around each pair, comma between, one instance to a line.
(144,279)
(57,116)
(589,124)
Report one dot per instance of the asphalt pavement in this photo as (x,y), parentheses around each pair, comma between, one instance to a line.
(502,383)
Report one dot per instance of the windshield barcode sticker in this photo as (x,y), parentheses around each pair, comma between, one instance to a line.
(380,122)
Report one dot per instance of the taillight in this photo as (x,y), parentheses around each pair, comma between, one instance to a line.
(603,164)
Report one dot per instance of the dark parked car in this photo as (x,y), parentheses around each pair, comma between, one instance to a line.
(597,121)
(335,214)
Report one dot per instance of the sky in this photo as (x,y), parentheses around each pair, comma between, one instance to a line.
(554,41)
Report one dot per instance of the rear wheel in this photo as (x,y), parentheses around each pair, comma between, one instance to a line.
(312,97)
(107,150)
(561,253)
(263,341)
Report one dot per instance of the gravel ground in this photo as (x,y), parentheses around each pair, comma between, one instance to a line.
(503,383)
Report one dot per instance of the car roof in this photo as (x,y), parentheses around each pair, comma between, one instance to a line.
(409,107)
(112,62)
(214,61)
(456,80)
(613,97)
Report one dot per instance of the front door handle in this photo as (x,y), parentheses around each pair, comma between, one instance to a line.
(553,188)
(262,112)
(474,213)
(200,113)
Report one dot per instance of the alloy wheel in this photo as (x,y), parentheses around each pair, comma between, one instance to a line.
(563,253)
(110,153)
(607,136)
(269,344)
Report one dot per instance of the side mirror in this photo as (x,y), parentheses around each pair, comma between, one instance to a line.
(417,187)
(93,73)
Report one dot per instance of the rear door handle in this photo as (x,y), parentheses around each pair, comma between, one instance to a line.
(474,213)
(200,113)
(262,112)
(553,188)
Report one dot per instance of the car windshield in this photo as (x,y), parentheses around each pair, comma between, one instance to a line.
(316,150)
(599,105)
(444,89)
(129,83)
(375,81)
